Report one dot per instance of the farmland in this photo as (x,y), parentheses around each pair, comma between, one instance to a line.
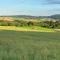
(27,29)
(29,24)
(29,45)
(29,39)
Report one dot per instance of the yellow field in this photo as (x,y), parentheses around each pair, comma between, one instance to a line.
(33,29)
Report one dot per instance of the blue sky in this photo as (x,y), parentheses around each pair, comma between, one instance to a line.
(29,7)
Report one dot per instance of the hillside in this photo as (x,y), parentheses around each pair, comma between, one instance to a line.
(56,16)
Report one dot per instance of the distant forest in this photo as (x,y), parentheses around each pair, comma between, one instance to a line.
(56,16)
(42,21)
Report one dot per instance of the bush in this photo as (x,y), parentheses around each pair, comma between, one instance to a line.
(3,24)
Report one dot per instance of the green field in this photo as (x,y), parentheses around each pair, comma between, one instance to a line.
(29,45)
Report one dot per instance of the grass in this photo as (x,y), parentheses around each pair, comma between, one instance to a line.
(29,45)
(26,28)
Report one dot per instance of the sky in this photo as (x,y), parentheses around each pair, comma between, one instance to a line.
(30,7)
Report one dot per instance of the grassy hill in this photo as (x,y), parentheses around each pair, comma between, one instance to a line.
(29,23)
(29,46)
(56,16)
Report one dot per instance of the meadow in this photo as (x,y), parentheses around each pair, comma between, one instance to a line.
(16,45)
(29,39)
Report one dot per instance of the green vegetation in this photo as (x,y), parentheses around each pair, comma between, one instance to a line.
(27,29)
(30,23)
(29,46)
(43,22)
(29,38)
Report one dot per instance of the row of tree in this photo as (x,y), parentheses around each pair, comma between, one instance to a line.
(50,24)
(17,23)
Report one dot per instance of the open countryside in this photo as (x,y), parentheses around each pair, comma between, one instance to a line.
(29,39)
(29,29)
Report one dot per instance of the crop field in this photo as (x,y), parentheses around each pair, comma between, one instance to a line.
(27,29)
(16,45)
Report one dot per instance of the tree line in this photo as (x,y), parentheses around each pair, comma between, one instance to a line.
(21,23)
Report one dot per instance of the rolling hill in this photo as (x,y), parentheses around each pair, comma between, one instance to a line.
(56,16)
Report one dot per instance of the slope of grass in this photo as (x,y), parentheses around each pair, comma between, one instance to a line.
(29,46)
(26,28)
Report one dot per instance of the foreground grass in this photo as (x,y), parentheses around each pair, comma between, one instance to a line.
(33,28)
(29,46)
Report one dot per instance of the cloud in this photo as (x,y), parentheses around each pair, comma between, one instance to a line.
(52,1)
